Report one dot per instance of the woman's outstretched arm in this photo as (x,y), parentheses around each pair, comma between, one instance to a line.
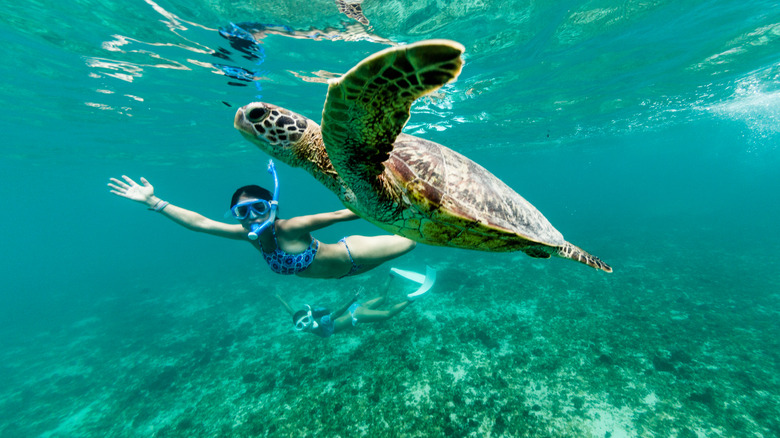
(286,306)
(313,222)
(345,307)
(144,194)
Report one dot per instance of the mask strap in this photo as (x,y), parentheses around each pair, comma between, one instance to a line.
(314,324)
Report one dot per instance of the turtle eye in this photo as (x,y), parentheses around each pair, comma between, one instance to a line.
(257,114)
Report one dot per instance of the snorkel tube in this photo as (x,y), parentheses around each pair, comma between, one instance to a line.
(314,324)
(256,229)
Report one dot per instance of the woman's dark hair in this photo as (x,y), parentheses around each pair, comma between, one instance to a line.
(252,191)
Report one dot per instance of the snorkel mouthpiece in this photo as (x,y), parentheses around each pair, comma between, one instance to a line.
(257,229)
(254,233)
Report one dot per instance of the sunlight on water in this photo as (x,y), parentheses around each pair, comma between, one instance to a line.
(757,108)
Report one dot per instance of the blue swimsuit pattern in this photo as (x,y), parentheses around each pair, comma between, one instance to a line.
(285,263)
(327,324)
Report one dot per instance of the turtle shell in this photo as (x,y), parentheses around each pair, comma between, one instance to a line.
(442,197)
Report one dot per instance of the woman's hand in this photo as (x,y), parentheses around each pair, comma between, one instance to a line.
(131,190)
(359,291)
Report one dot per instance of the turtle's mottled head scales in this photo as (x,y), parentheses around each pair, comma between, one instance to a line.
(275,130)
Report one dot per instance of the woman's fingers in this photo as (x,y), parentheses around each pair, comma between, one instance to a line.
(117,184)
(117,187)
(126,188)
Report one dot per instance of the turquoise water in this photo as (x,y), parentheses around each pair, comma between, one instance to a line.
(646,132)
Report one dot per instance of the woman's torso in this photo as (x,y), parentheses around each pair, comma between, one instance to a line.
(329,260)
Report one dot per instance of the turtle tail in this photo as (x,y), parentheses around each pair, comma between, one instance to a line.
(569,251)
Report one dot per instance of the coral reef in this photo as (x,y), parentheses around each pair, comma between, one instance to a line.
(543,349)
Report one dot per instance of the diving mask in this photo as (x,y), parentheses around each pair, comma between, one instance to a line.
(243,210)
(306,321)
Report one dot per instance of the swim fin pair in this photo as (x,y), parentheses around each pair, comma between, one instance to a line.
(426,281)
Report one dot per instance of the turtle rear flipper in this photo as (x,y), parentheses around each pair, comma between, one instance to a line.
(569,251)
(537,253)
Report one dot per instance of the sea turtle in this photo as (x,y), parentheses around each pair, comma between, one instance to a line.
(404,184)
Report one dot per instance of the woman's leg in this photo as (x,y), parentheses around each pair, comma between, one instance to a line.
(364,314)
(378,301)
(375,250)
(374,303)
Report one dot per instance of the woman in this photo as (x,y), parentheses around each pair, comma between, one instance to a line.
(286,244)
(322,322)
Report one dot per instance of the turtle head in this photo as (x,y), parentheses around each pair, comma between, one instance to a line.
(277,131)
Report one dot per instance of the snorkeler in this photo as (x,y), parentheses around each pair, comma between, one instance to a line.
(286,244)
(322,322)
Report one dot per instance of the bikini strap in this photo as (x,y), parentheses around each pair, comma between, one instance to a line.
(273,229)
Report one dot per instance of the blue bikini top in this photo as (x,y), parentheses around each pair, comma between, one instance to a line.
(285,263)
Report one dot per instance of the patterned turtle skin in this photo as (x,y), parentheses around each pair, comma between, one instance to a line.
(404,184)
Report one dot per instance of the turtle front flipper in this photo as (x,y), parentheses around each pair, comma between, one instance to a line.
(367,108)
(569,251)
